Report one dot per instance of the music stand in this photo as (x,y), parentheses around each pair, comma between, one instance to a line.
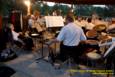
(51,22)
(42,50)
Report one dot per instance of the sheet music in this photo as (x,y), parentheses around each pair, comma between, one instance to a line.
(54,21)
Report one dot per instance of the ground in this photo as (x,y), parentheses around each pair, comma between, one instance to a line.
(26,66)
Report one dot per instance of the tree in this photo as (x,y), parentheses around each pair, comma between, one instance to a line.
(5,6)
(110,10)
(45,9)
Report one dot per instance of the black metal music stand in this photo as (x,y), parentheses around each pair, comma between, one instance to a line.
(42,40)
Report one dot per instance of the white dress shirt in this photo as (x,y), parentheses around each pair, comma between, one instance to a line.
(111,27)
(82,23)
(15,35)
(31,23)
(89,26)
(71,35)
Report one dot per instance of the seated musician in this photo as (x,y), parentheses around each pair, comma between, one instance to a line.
(111,28)
(31,21)
(15,35)
(20,40)
(89,25)
(70,36)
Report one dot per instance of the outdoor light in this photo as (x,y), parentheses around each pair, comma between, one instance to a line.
(27,3)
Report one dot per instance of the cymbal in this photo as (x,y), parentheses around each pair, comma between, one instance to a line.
(100,27)
(93,55)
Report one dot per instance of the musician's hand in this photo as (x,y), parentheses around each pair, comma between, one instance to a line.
(20,33)
(52,41)
(49,43)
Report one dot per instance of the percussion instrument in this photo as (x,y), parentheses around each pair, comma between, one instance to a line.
(100,27)
(91,34)
(35,38)
(104,38)
(34,34)
(93,55)
(91,42)
(88,46)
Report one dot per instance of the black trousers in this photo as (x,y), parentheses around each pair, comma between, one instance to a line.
(68,52)
(28,43)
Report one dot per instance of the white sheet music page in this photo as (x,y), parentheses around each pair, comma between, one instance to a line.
(54,21)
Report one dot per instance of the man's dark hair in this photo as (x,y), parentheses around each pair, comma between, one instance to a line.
(70,18)
(100,18)
(89,20)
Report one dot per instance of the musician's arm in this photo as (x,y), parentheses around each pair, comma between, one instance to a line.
(60,37)
(52,41)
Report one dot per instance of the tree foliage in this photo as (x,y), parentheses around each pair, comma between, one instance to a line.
(5,6)
(80,10)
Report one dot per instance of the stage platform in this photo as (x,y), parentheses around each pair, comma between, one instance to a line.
(26,66)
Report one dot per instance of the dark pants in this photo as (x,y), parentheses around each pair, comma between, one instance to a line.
(68,52)
(28,43)
(110,64)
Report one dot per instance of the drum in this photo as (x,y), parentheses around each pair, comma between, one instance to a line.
(34,35)
(91,42)
(89,46)
(100,27)
(104,38)
(91,34)
(93,55)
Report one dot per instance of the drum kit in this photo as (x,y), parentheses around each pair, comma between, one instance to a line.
(47,36)
(102,37)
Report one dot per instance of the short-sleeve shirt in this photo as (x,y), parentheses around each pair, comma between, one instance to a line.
(71,35)
(15,35)
(111,27)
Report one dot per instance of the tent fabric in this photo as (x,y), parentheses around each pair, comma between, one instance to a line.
(82,1)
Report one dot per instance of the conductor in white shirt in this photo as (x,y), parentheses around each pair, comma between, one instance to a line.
(70,36)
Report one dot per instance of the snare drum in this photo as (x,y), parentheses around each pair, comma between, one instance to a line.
(93,55)
(91,42)
(89,45)
(35,35)
(92,34)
